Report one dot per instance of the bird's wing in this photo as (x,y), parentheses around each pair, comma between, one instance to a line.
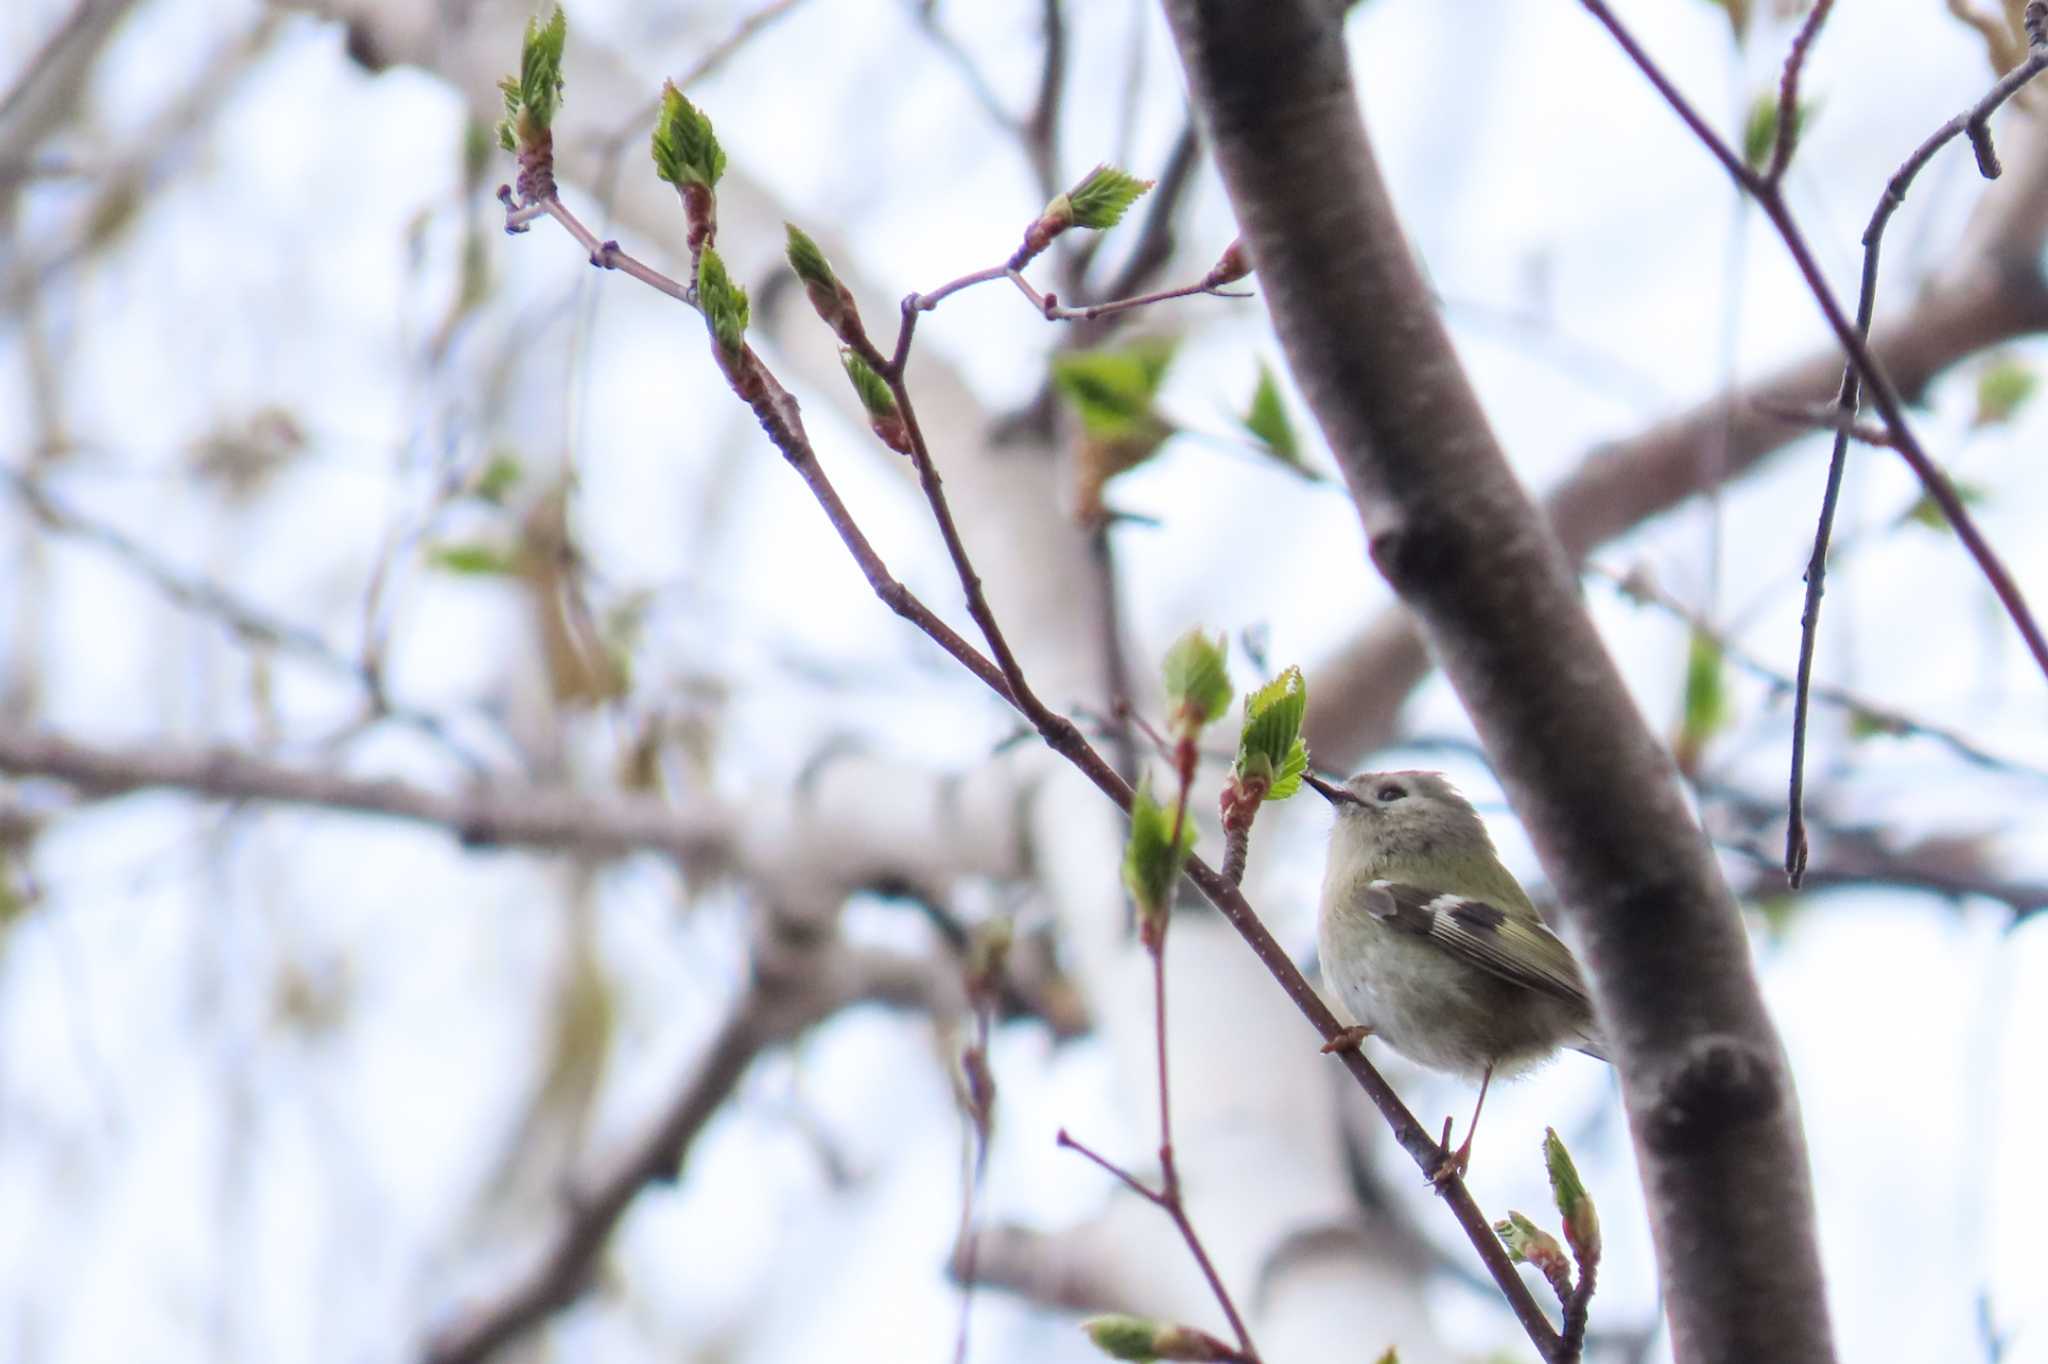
(1513,947)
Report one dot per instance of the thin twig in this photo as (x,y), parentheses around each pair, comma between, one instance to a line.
(244,620)
(1862,370)
(1153,247)
(1636,587)
(963,61)
(713,57)
(1977,118)
(1788,89)
(1577,1311)
(1827,417)
(1005,678)
(980,1086)
(1167,1200)
(777,1006)
(497,813)
(1041,127)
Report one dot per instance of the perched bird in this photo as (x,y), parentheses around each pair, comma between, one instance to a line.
(1431,944)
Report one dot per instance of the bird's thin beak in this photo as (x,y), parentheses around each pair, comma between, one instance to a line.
(1329,791)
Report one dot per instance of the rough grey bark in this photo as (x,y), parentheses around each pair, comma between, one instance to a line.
(1709,1096)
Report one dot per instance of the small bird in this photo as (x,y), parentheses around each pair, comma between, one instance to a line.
(1432,945)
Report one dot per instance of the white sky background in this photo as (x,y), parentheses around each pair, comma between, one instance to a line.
(185,1175)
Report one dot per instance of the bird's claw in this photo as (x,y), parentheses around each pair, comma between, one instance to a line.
(1455,1163)
(1347,1040)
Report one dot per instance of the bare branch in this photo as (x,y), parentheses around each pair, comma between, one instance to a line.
(1976,120)
(1788,89)
(1852,336)
(493,814)
(1885,719)
(774,1009)
(245,621)
(1992,294)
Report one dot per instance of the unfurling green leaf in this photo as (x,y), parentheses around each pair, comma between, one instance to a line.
(885,418)
(1102,196)
(868,386)
(1581,1219)
(807,260)
(2003,388)
(724,304)
(1142,1339)
(1122,1337)
(1526,1242)
(686,151)
(1760,130)
(532,97)
(1269,748)
(1529,1244)
(830,298)
(473,559)
(1268,424)
(1198,687)
(1153,858)
(497,478)
(1706,711)
(1113,390)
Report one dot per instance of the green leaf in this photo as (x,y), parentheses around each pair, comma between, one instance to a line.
(1269,747)
(1778,911)
(1292,768)
(1113,390)
(1760,131)
(497,478)
(1122,1337)
(1707,710)
(686,151)
(1197,679)
(1574,1204)
(1152,858)
(868,386)
(830,299)
(476,152)
(1267,423)
(473,559)
(1927,512)
(808,261)
(540,66)
(1138,1338)
(532,96)
(1102,196)
(1526,1242)
(2003,388)
(724,303)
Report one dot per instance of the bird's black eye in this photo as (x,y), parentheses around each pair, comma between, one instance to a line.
(1390,792)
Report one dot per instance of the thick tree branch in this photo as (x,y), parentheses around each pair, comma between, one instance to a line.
(1704,1077)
